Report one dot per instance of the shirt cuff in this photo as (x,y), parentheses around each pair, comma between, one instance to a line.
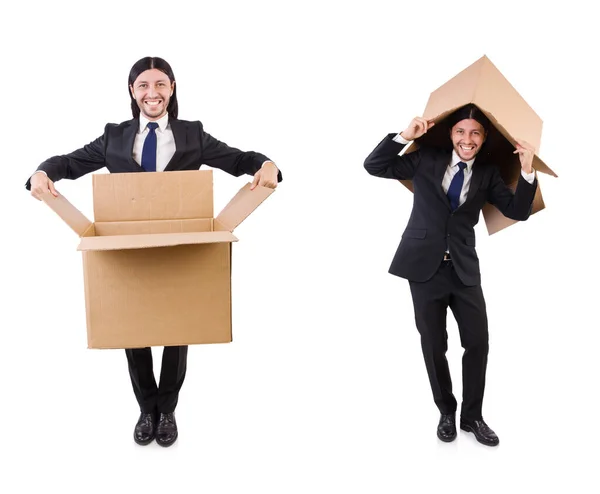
(400,140)
(530,177)
(38,171)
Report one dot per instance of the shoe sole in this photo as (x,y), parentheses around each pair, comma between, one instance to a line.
(166,445)
(142,443)
(466,428)
(446,439)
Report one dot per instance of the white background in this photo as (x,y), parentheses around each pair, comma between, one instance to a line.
(324,388)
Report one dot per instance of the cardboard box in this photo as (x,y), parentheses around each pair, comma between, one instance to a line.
(511,117)
(156,264)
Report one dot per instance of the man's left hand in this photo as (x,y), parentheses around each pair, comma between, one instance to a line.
(266,176)
(526,152)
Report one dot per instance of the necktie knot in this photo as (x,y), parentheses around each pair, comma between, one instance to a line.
(152,126)
(462,165)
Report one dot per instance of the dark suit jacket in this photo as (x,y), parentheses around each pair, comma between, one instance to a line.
(432,225)
(114,150)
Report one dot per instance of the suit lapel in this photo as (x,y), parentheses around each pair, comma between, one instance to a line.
(129,139)
(440,170)
(180,137)
(476,179)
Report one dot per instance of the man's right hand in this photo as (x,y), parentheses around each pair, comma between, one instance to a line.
(40,184)
(417,127)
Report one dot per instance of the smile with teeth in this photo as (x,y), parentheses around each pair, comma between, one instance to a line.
(152,103)
(467,148)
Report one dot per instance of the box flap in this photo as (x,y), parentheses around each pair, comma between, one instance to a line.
(240,207)
(153,196)
(120,242)
(69,213)
(496,221)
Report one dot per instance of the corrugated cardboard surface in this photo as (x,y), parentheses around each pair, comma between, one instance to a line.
(241,206)
(162,296)
(483,85)
(153,196)
(68,213)
(156,226)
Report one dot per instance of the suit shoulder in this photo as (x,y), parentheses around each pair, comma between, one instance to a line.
(433,152)
(119,127)
(187,123)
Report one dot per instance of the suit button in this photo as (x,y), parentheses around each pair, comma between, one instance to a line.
(448,235)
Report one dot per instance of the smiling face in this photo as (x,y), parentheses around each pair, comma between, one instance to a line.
(152,91)
(467,136)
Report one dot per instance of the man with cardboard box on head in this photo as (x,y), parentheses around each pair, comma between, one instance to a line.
(437,252)
(154,141)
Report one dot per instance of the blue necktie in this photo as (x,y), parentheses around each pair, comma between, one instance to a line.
(149,149)
(455,188)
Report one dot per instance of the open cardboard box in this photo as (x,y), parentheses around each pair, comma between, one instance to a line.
(156,263)
(511,117)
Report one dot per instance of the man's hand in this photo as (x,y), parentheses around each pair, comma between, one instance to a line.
(266,176)
(417,127)
(526,152)
(40,184)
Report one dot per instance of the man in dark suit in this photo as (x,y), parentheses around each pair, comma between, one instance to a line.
(154,140)
(437,252)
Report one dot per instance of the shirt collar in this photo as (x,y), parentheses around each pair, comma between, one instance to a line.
(456,159)
(162,123)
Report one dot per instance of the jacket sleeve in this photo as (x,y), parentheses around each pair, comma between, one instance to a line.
(89,158)
(517,205)
(217,154)
(384,161)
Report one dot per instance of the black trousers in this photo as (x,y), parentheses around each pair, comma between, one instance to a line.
(152,398)
(431,300)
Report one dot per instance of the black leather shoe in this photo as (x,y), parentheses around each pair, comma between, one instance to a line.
(446,430)
(166,430)
(144,431)
(482,432)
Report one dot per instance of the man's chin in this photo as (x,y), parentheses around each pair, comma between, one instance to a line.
(153,115)
(468,157)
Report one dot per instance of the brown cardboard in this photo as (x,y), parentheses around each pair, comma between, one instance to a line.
(511,117)
(156,264)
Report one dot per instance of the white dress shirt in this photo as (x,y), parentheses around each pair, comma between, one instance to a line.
(453,169)
(165,142)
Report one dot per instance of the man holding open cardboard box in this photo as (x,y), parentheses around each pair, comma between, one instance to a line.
(437,252)
(154,140)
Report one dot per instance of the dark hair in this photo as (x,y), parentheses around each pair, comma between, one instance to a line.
(468,111)
(148,63)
